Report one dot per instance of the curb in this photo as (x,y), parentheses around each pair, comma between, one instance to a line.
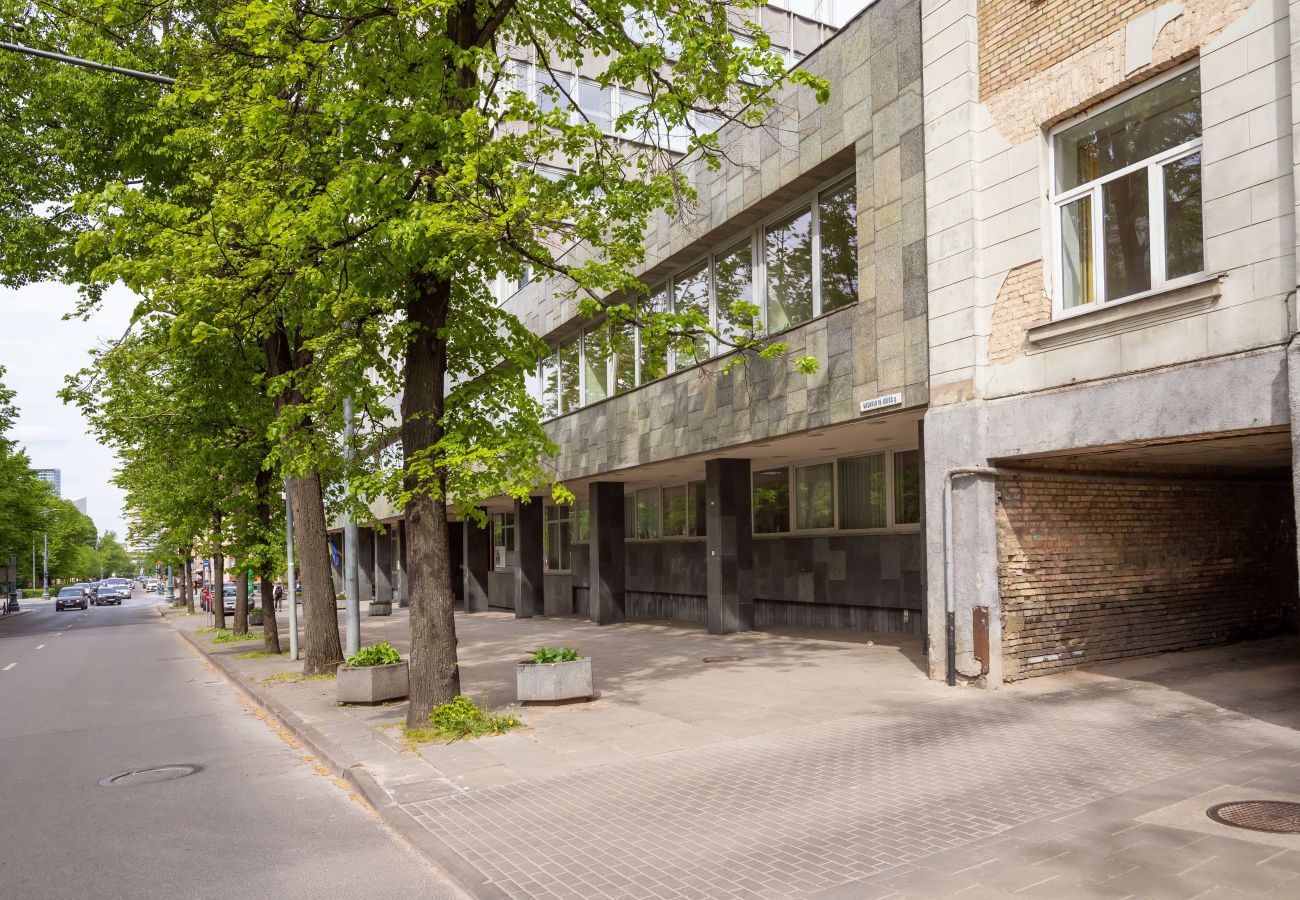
(353,772)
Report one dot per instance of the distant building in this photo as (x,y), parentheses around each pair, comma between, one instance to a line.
(54,477)
(80,504)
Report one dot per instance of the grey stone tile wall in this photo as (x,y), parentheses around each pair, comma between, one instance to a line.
(871,126)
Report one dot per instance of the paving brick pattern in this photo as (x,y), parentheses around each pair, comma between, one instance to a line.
(805,810)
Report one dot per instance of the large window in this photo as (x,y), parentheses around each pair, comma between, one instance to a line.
(801,264)
(557,538)
(872,491)
(683,510)
(647,513)
(1127,195)
(504,555)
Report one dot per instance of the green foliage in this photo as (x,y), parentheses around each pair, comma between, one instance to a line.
(461,718)
(206,629)
(226,636)
(261,654)
(378,655)
(554,655)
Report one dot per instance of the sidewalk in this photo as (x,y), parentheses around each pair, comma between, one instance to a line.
(815,767)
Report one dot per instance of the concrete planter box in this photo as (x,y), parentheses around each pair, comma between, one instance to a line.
(380,609)
(372,684)
(255,618)
(551,682)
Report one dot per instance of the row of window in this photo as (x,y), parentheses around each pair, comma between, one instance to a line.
(799,265)
(856,493)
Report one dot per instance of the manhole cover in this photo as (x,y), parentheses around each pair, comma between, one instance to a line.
(713,659)
(1275,816)
(149,776)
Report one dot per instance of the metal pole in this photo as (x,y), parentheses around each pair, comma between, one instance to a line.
(291,587)
(33,562)
(171,587)
(45,568)
(351,582)
(86,63)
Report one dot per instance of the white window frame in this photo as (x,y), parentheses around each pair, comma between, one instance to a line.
(1155,202)
(569,518)
(891,526)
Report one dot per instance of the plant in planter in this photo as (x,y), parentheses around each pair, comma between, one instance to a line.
(553,674)
(373,675)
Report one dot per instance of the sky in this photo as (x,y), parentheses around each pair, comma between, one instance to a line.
(38,350)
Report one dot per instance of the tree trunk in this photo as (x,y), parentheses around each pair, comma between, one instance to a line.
(218,577)
(322,648)
(434,672)
(270,627)
(241,599)
(189,581)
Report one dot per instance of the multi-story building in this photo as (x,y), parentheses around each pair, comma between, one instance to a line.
(1110,214)
(53,477)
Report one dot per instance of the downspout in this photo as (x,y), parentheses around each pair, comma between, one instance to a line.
(949,602)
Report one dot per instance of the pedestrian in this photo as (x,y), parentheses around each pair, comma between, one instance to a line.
(278,594)
(205,598)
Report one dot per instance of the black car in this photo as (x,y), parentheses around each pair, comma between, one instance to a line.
(73,597)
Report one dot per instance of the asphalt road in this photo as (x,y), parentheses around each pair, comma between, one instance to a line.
(87,695)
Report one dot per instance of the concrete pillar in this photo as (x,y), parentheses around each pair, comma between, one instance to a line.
(528,572)
(384,564)
(730,543)
(403,594)
(605,551)
(365,563)
(478,561)
(336,564)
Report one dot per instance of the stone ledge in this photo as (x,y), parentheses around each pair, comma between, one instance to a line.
(1127,315)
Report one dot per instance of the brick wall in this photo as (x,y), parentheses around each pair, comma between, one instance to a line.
(1091,571)
(1020,38)
(1021,303)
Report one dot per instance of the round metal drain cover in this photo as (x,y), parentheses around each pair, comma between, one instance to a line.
(149,776)
(1274,816)
(716,659)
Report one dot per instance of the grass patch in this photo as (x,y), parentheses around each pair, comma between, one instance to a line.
(225,636)
(260,654)
(460,719)
(295,678)
(206,629)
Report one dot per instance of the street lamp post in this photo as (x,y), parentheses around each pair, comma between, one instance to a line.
(351,576)
(292,587)
(45,568)
(171,587)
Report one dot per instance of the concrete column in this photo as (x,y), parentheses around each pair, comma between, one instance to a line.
(528,573)
(605,551)
(365,563)
(403,594)
(478,561)
(730,542)
(384,564)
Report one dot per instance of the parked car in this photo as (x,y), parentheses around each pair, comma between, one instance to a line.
(113,590)
(71,597)
(228,598)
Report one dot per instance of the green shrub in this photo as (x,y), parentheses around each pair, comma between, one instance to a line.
(462,718)
(225,636)
(554,655)
(379,655)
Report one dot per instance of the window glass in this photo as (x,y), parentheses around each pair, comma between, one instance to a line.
(503,540)
(698,523)
(733,280)
(647,513)
(837,223)
(862,491)
(814,496)
(1154,121)
(907,487)
(570,398)
(629,515)
(771,501)
(675,511)
(1126,226)
(553,90)
(550,396)
(654,346)
(622,338)
(597,104)
(691,295)
(787,248)
(1076,252)
(596,358)
(581,522)
(630,104)
(557,538)
(1184,248)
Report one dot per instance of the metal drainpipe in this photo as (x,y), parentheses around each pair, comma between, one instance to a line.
(949,602)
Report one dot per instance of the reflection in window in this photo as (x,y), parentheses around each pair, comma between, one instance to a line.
(1126,224)
(647,513)
(837,224)
(556,538)
(596,354)
(622,337)
(733,280)
(691,296)
(696,525)
(907,487)
(814,496)
(654,345)
(787,249)
(581,521)
(503,541)
(1184,247)
(570,396)
(771,501)
(862,491)
(550,379)
(553,90)
(597,104)
(675,516)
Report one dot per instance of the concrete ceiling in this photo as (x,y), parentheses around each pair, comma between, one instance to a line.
(1258,450)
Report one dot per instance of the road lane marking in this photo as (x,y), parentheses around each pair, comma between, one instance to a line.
(8,667)
(40,647)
